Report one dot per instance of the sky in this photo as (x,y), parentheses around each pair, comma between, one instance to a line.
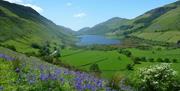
(77,14)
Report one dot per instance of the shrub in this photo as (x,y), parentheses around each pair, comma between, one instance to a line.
(35,45)
(175,60)
(125,52)
(44,51)
(11,47)
(16,65)
(166,60)
(136,60)
(115,81)
(151,59)
(129,67)
(157,78)
(31,54)
(143,59)
(94,68)
(128,53)
(159,60)
(48,59)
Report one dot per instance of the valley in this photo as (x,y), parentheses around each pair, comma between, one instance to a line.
(139,54)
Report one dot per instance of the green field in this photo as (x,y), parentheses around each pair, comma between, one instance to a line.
(170,36)
(111,62)
(108,61)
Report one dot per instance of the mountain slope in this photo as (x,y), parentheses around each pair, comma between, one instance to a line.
(106,27)
(163,28)
(21,26)
(159,24)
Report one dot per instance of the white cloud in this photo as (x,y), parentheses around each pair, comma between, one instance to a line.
(37,8)
(14,1)
(80,15)
(24,2)
(69,4)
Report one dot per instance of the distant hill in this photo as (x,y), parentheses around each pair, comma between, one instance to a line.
(159,24)
(21,26)
(105,27)
(83,30)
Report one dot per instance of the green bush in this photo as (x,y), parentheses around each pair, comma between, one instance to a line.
(94,68)
(175,60)
(157,78)
(11,47)
(151,59)
(136,60)
(16,65)
(159,60)
(125,52)
(35,45)
(48,59)
(115,81)
(143,59)
(129,66)
(167,60)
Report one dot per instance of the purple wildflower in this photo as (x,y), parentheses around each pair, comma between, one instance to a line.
(6,57)
(17,70)
(43,77)
(1,88)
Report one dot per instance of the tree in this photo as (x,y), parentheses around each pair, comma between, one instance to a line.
(45,50)
(159,60)
(129,67)
(178,42)
(157,78)
(175,60)
(166,60)
(151,59)
(95,68)
(143,59)
(35,45)
(136,60)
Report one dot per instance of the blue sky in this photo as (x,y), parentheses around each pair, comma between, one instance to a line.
(77,14)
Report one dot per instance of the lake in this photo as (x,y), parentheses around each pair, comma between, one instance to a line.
(96,39)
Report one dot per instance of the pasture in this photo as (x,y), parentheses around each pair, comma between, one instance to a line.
(112,62)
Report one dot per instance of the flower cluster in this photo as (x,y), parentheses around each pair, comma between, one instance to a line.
(158,77)
(43,76)
(6,57)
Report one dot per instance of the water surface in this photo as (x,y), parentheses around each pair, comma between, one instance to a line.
(96,39)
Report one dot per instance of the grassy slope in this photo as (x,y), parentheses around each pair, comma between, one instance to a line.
(30,77)
(105,27)
(165,28)
(21,26)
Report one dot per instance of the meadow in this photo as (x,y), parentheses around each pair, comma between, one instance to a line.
(112,62)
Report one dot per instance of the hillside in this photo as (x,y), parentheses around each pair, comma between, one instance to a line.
(159,24)
(21,26)
(105,27)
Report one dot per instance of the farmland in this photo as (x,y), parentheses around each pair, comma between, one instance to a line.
(112,62)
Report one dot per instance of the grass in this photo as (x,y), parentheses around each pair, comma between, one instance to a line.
(169,36)
(155,53)
(111,62)
(108,61)
(37,75)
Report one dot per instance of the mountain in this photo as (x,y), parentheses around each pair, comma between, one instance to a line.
(83,30)
(159,24)
(22,26)
(105,27)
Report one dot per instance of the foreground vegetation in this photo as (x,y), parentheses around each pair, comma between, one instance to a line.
(22,73)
